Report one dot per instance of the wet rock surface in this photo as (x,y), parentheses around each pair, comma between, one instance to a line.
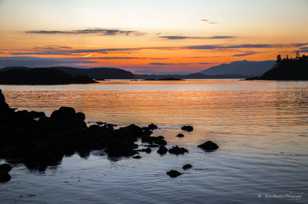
(162,150)
(188,128)
(209,146)
(187,166)
(174,173)
(178,150)
(4,173)
(180,135)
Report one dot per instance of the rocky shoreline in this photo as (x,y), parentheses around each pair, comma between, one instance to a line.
(38,141)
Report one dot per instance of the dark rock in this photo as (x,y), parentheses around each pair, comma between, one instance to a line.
(180,135)
(162,150)
(148,150)
(4,178)
(5,168)
(38,141)
(187,166)
(152,126)
(209,146)
(4,173)
(173,173)
(3,104)
(160,140)
(187,128)
(178,150)
(137,157)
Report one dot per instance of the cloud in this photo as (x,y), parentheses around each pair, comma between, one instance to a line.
(206,63)
(208,21)
(244,54)
(243,46)
(160,64)
(69,51)
(97,31)
(180,63)
(182,37)
(36,61)
(125,58)
(44,51)
(222,37)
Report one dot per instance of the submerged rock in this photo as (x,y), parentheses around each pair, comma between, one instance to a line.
(174,173)
(178,150)
(209,146)
(187,166)
(137,157)
(152,126)
(162,150)
(180,135)
(188,128)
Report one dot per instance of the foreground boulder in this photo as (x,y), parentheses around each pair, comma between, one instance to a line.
(38,141)
(209,146)
(174,173)
(188,128)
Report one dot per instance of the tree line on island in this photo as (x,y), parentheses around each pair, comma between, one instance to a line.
(287,69)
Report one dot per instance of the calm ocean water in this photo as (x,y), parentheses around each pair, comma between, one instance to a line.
(261,127)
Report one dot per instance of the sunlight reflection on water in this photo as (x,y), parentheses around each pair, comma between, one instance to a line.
(261,128)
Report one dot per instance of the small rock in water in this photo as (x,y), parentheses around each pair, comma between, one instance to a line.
(162,150)
(146,150)
(187,166)
(180,135)
(188,128)
(209,146)
(174,173)
(178,150)
(152,126)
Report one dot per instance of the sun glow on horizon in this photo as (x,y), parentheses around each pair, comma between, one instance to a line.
(150,37)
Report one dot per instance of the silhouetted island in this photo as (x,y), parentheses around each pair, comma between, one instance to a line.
(40,76)
(99,73)
(287,69)
(163,78)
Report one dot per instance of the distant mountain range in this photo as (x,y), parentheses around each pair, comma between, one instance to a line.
(239,69)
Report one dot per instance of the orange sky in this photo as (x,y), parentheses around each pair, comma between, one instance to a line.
(149,37)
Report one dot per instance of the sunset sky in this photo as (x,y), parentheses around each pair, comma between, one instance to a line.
(149,36)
